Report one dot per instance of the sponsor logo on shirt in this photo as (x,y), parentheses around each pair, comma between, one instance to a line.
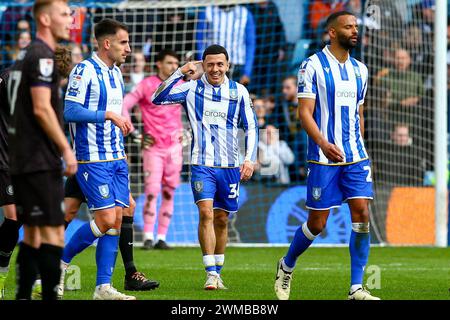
(215,114)
(345,94)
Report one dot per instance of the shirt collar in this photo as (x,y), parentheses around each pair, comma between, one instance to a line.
(101,62)
(328,53)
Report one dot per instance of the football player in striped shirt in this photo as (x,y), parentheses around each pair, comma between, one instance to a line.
(331,90)
(93,107)
(215,106)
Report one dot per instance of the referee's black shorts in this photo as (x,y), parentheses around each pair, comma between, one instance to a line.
(6,189)
(72,189)
(39,198)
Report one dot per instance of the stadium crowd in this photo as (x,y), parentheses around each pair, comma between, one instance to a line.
(267,44)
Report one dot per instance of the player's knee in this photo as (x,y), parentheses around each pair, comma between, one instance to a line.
(105,223)
(221,221)
(360,213)
(316,227)
(206,215)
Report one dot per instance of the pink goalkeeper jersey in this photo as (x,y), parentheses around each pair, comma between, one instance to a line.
(162,123)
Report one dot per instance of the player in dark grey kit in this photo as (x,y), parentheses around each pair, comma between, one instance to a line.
(36,144)
(9,229)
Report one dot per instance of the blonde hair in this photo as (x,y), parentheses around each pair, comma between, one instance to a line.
(39,5)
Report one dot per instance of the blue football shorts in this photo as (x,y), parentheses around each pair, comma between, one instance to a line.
(104,184)
(329,186)
(218,184)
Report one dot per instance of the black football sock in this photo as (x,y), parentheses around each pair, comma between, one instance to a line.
(126,246)
(50,269)
(9,234)
(27,267)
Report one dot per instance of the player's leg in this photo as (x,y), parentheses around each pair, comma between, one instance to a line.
(27,265)
(221,232)
(203,185)
(134,280)
(73,198)
(225,203)
(356,184)
(153,163)
(108,245)
(323,193)
(9,229)
(95,180)
(9,234)
(50,252)
(170,181)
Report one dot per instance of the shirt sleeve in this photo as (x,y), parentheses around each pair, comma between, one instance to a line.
(364,88)
(79,80)
(167,93)
(307,80)
(41,68)
(250,124)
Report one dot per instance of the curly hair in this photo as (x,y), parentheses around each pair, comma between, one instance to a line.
(63,60)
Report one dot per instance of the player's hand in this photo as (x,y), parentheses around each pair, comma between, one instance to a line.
(136,136)
(147,141)
(246,170)
(71,164)
(120,121)
(332,152)
(193,69)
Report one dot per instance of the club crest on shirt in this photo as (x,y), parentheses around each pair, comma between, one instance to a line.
(10,190)
(46,67)
(198,185)
(316,193)
(104,190)
(233,94)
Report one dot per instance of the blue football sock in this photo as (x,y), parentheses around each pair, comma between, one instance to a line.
(359,255)
(81,239)
(302,240)
(106,255)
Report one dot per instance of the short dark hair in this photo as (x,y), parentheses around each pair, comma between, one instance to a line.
(166,52)
(215,49)
(334,16)
(108,27)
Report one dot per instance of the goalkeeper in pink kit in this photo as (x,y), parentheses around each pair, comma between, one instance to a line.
(161,147)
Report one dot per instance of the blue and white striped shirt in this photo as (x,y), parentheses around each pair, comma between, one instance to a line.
(214,113)
(98,88)
(234,29)
(339,90)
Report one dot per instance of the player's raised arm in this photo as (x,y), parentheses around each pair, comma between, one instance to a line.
(250,125)
(167,93)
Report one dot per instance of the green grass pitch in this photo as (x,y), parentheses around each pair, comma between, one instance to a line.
(401,273)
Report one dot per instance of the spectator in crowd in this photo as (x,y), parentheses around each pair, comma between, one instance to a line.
(421,54)
(260,111)
(319,10)
(291,130)
(22,41)
(137,73)
(275,156)
(270,48)
(174,29)
(10,18)
(404,88)
(399,161)
(80,33)
(269,103)
(233,27)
